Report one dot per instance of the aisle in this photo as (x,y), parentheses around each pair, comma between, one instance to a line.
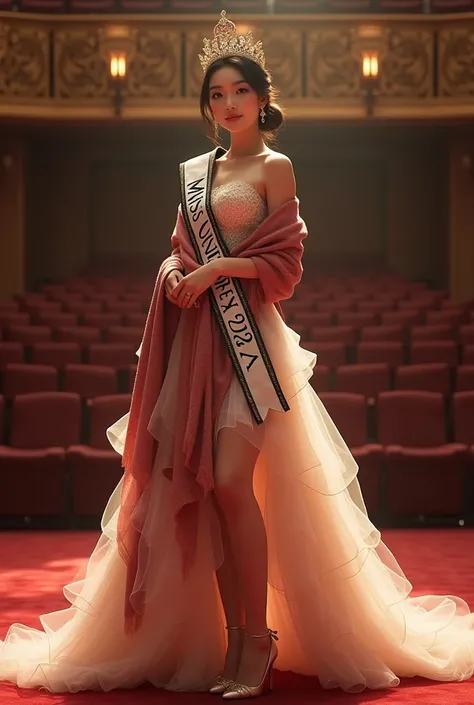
(35,566)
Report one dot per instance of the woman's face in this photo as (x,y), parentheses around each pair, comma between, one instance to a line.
(234,103)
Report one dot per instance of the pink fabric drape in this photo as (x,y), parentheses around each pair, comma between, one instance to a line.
(276,247)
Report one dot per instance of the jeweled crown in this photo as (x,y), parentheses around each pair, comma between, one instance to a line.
(227,42)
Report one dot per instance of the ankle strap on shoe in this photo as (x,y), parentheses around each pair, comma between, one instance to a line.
(271,633)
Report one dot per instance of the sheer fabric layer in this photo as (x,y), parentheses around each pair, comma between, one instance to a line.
(337,595)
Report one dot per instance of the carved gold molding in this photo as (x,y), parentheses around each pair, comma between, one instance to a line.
(53,67)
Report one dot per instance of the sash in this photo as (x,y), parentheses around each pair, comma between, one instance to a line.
(229,303)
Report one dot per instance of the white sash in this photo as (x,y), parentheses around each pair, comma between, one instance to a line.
(249,356)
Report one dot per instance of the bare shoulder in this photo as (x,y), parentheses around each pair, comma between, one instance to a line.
(280,183)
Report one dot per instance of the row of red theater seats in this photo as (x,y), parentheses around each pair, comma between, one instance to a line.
(350,335)
(116,355)
(86,380)
(246,6)
(368,379)
(394,354)
(82,335)
(48,471)
(414,309)
(330,353)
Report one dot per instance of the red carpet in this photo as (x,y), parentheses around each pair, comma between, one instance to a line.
(36,565)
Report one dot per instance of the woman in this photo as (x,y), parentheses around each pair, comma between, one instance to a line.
(239,497)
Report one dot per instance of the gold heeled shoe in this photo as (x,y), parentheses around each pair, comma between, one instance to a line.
(220,684)
(238,691)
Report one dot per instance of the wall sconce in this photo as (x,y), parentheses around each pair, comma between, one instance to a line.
(370,75)
(117,48)
(369,43)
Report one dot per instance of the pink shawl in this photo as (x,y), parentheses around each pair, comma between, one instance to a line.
(276,248)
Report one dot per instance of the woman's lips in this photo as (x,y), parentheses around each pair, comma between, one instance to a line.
(233,118)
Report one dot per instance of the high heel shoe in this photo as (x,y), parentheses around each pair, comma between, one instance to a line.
(220,684)
(238,691)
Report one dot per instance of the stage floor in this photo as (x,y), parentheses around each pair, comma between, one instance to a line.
(35,566)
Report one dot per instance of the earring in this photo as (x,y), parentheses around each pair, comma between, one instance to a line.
(262,113)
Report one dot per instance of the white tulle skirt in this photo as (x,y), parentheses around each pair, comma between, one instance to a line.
(336,594)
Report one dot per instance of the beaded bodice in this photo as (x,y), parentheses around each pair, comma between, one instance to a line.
(238,209)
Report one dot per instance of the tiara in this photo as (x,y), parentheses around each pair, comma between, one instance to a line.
(227,42)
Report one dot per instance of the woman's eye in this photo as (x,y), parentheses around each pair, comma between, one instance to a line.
(243,89)
(215,95)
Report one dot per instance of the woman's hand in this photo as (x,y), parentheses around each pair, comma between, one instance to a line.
(190,287)
(171,281)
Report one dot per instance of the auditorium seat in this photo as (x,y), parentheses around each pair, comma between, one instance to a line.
(464,378)
(366,379)
(304,320)
(404,318)
(432,332)
(124,334)
(466,334)
(463,416)
(28,335)
(422,351)
(32,468)
(447,317)
(95,469)
(425,474)
(14,318)
(116,355)
(375,334)
(377,307)
(102,320)
(56,354)
(135,320)
(430,377)
(391,353)
(123,307)
(349,413)
(11,353)
(42,307)
(2,419)
(84,307)
(329,354)
(468,354)
(82,335)
(357,319)
(56,320)
(131,371)
(321,378)
(90,380)
(333,334)
(8,307)
(336,307)
(26,379)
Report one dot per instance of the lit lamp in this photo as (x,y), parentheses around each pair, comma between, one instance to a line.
(370,76)
(368,46)
(117,46)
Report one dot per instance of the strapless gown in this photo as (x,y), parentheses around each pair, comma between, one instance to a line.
(336,594)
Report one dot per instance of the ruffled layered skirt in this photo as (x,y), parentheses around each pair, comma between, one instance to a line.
(336,594)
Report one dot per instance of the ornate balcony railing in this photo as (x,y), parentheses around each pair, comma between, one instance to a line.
(56,66)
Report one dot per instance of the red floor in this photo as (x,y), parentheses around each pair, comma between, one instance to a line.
(35,566)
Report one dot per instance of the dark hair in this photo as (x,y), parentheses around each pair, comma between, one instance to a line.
(260,80)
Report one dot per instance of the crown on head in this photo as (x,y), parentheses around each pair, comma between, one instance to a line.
(227,42)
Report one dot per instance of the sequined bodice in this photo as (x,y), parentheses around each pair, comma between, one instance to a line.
(238,209)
